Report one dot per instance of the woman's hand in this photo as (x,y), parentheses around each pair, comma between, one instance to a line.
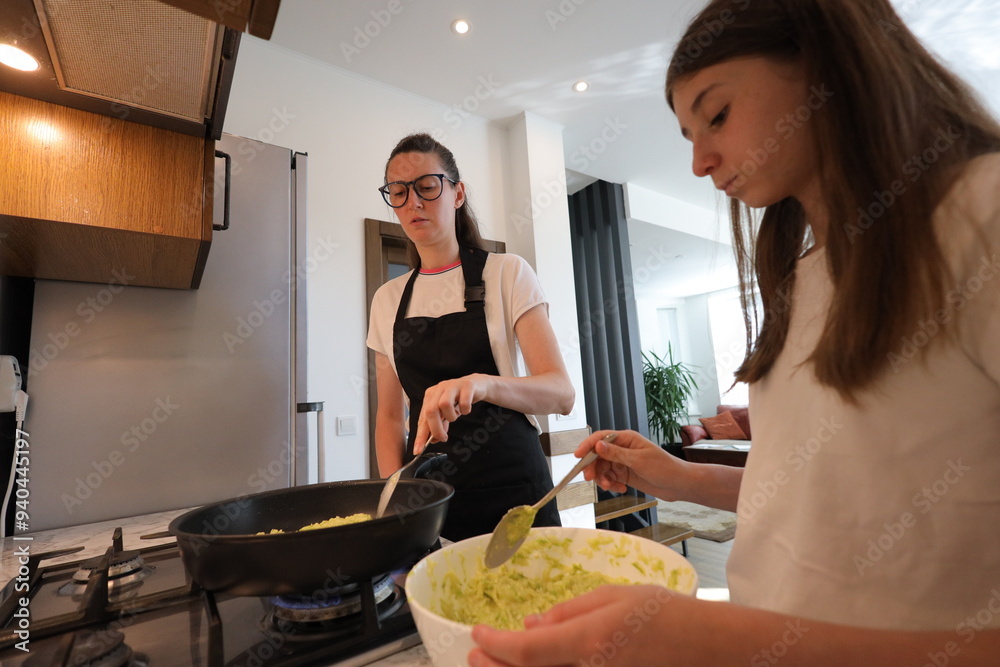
(444,403)
(613,625)
(632,460)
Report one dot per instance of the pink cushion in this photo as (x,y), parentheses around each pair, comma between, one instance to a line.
(723,426)
(741,414)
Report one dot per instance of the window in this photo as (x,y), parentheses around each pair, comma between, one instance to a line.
(725,318)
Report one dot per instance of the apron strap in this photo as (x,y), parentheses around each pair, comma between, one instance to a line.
(473,263)
(404,299)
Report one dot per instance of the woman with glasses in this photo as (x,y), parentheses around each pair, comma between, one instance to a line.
(869,509)
(446,338)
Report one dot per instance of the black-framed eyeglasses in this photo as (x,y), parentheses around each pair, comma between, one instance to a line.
(428,187)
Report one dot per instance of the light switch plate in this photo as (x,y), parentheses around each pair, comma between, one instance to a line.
(347,425)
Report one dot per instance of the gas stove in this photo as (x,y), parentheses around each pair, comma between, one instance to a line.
(141,609)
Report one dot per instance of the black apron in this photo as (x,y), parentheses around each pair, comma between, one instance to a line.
(494,459)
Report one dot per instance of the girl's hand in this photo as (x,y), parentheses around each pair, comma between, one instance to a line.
(613,625)
(444,403)
(632,460)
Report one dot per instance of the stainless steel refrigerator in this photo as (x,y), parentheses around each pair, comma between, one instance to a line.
(144,400)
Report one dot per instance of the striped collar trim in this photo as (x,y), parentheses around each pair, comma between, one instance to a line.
(443,269)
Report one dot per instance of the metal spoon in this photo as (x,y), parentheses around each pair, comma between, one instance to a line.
(513,528)
(390,484)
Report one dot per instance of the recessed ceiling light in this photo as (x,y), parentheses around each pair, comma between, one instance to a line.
(16,58)
(580,86)
(460,26)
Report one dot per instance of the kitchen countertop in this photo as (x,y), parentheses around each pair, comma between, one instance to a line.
(412,657)
(95,538)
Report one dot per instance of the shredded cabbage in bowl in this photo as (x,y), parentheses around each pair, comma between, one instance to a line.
(502,597)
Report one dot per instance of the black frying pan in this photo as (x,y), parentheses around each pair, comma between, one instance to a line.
(221,551)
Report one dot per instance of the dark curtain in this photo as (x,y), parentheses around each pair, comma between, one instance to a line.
(606,315)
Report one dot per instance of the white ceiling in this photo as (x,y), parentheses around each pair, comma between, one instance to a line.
(524,55)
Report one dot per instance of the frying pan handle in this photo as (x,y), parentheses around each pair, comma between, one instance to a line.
(430,463)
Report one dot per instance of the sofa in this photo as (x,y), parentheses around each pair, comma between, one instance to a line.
(692,433)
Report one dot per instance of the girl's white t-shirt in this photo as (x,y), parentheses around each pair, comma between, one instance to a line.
(512,289)
(885,514)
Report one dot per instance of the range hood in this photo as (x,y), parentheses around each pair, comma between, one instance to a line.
(138,60)
(138,53)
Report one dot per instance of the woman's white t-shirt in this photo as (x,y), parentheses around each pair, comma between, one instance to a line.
(512,289)
(885,514)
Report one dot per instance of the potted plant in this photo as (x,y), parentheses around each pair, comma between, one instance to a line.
(669,386)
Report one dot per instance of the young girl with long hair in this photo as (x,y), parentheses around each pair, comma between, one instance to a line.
(864,180)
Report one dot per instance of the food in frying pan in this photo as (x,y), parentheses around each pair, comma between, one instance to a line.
(327,523)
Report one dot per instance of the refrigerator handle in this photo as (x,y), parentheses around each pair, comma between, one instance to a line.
(229,179)
(320,453)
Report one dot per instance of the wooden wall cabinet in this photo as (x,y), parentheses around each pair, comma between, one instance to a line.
(90,198)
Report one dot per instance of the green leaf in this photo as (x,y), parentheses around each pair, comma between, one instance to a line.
(668,386)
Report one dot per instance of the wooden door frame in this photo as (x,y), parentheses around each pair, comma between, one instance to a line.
(385,240)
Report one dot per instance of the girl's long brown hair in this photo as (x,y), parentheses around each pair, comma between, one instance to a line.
(466,225)
(888,102)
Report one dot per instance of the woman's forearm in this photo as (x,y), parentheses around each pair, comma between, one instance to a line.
(711,485)
(543,394)
(390,432)
(547,388)
(389,445)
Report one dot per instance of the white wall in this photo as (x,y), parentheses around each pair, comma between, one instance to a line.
(348,125)
(538,229)
(696,348)
(666,211)
(652,337)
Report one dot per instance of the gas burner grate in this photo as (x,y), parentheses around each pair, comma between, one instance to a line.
(369,618)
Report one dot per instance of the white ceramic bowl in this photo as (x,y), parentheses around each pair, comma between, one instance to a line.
(449,642)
